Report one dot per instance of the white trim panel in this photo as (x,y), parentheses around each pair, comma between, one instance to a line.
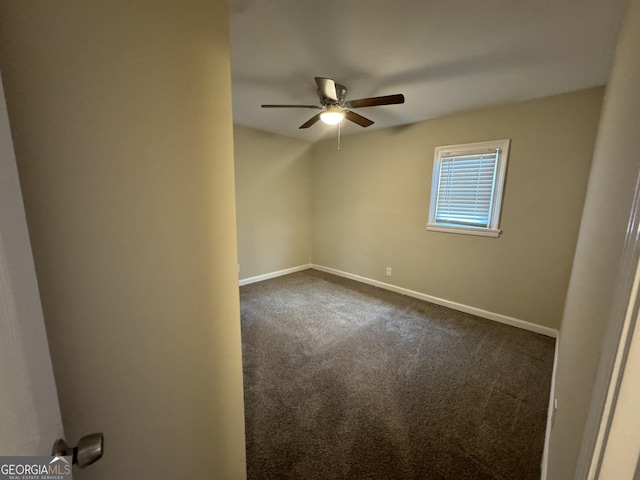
(279,273)
(497,317)
(29,411)
(483,232)
(551,413)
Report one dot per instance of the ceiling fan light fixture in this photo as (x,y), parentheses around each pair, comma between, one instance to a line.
(332,117)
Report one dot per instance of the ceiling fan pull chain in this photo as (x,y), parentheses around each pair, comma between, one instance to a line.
(339,136)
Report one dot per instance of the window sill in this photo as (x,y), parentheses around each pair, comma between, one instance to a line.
(483,232)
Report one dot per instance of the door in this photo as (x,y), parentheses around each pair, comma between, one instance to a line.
(621,452)
(29,410)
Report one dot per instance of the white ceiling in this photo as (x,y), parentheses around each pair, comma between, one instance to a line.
(443,55)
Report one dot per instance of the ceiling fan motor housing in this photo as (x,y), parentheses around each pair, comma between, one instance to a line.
(341,94)
(341,90)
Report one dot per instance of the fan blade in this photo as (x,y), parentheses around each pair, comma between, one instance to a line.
(290,106)
(359,119)
(327,88)
(375,101)
(311,121)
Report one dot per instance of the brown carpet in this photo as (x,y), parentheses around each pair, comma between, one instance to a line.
(347,381)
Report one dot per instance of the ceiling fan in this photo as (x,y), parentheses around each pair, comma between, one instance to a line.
(335,108)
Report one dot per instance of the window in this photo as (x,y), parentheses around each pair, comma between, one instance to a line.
(466,192)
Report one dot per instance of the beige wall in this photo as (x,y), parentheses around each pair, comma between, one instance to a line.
(370,206)
(598,255)
(121,119)
(273,198)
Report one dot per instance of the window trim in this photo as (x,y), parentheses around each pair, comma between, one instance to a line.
(493,229)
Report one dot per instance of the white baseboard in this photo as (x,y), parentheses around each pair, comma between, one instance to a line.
(550,415)
(497,317)
(279,273)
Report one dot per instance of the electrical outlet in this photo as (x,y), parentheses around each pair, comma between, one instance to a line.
(388,272)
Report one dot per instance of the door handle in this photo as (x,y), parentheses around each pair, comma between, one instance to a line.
(89,449)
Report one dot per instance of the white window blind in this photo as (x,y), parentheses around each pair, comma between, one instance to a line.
(465,189)
(467,186)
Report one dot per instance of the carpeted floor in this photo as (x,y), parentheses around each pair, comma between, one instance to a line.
(347,381)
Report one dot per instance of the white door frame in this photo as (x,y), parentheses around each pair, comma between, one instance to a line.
(615,353)
(29,410)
